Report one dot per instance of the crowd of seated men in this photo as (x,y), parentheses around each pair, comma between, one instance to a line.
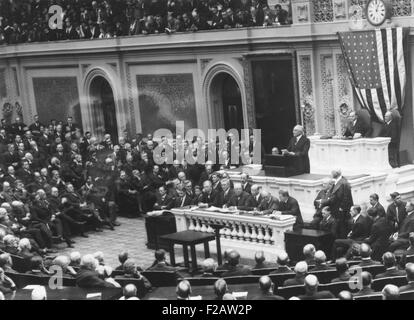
(28,20)
(314,278)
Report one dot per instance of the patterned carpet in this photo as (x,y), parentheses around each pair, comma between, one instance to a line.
(129,236)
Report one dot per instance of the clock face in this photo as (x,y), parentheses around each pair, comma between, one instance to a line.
(376,12)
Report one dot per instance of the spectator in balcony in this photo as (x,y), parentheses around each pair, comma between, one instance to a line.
(70,30)
(229,20)
(217,19)
(186,22)
(281,15)
(199,22)
(257,13)
(173,25)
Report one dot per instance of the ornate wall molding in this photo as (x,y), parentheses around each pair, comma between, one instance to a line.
(327,94)
(301,11)
(322,11)
(204,63)
(248,84)
(344,94)
(306,93)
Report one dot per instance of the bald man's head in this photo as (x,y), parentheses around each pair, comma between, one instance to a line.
(366,278)
(282,259)
(311,283)
(409,268)
(320,257)
(183,290)
(259,257)
(388,259)
(341,265)
(130,291)
(301,268)
(234,258)
(266,284)
(390,292)
(345,295)
(309,251)
(365,250)
(220,288)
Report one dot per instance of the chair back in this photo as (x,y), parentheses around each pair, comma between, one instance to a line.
(279,278)
(379,284)
(242,279)
(22,280)
(263,272)
(292,291)
(207,281)
(409,295)
(336,287)
(20,264)
(139,284)
(374,270)
(324,276)
(161,278)
(374,296)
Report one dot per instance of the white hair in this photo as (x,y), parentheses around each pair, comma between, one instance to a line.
(75,256)
(25,244)
(89,262)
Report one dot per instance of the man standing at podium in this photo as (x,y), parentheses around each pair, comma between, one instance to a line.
(299,148)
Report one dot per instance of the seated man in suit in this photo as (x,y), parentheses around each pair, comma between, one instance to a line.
(282,264)
(235,268)
(400,239)
(183,290)
(320,262)
(409,269)
(164,200)
(256,191)
(311,290)
(132,271)
(381,231)
(409,253)
(161,264)
(356,127)
(182,199)
(260,259)
(366,279)
(301,270)
(390,292)
(268,203)
(209,267)
(266,290)
(390,264)
(309,254)
(374,202)
(343,271)
(328,222)
(365,253)
(220,289)
(209,196)
(298,149)
(240,200)
(360,230)
(322,196)
(289,206)
(391,130)
(88,277)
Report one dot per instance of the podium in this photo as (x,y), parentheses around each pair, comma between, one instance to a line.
(281,166)
(157,227)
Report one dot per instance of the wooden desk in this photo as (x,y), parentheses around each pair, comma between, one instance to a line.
(191,239)
(297,239)
(69,293)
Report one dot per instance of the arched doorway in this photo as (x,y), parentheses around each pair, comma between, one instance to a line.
(226,99)
(103,109)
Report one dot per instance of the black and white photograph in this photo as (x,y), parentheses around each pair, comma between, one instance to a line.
(206,150)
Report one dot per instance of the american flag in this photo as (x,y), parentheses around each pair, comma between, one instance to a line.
(376,67)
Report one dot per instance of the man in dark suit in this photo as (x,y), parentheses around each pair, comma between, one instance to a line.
(328,223)
(374,202)
(289,206)
(70,31)
(340,201)
(356,127)
(266,290)
(227,192)
(342,268)
(301,270)
(183,199)
(246,185)
(161,264)
(400,240)
(87,276)
(311,290)
(320,198)
(360,230)
(390,264)
(164,201)
(241,200)
(256,191)
(365,253)
(366,279)
(409,269)
(268,203)
(282,264)
(35,126)
(298,149)
(320,262)
(396,210)
(235,268)
(381,231)
(210,197)
(391,130)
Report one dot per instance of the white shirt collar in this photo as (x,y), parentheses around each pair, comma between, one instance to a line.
(356,217)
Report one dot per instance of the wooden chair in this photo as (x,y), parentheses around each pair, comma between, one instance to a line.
(336,287)
(374,270)
(379,284)
(207,281)
(292,291)
(242,279)
(409,295)
(263,272)
(20,264)
(279,278)
(374,296)
(324,276)
(22,280)
(161,278)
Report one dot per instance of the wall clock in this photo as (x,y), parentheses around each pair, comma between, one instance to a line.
(378,11)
